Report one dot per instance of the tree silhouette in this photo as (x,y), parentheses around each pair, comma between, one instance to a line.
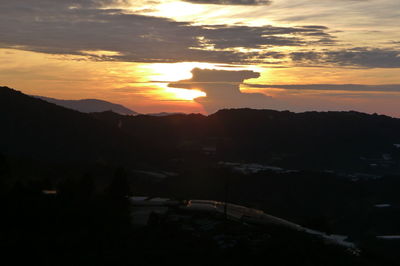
(67,189)
(3,171)
(3,165)
(119,187)
(86,187)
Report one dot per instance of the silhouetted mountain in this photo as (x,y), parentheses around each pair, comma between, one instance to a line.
(314,140)
(90,105)
(197,157)
(310,140)
(35,128)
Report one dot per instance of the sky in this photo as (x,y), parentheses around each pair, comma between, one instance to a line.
(204,55)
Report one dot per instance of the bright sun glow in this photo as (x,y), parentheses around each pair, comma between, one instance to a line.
(178,10)
(174,71)
(100,53)
(184,94)
(208,14)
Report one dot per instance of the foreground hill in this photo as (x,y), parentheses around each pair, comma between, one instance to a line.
(90,105)
(196,157)
(40,130)
(312,140)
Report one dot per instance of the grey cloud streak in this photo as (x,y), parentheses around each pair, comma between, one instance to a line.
(223,36)
(359,56)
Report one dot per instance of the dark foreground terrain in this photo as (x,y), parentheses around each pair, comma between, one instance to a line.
(65,175)
(76,227)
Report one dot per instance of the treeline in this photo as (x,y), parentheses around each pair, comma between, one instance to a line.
(72,225)
(82,226)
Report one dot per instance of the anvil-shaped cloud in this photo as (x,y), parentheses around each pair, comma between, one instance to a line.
(223,89)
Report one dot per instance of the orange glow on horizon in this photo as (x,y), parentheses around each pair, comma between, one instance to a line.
(143,87)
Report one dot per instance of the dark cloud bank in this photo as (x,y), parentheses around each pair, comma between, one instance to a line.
(73,26)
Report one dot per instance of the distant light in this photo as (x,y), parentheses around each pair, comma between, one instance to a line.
(49,192)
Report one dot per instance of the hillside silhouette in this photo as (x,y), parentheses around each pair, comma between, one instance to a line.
(90,105)
(37,129)
(310,140)
(65,177)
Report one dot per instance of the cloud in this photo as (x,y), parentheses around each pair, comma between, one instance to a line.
(77,26)
(332,87)
(231,2)
(87,27)
(212,75)
(359,57)
(223,36)
(223,89)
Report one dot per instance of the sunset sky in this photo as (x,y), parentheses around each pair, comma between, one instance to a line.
(205,55)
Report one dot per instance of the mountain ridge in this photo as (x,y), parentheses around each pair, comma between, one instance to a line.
(89,105)
(330,140)
(38,129)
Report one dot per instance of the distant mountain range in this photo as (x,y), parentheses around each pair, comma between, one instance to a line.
(90,105)
(97,106)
